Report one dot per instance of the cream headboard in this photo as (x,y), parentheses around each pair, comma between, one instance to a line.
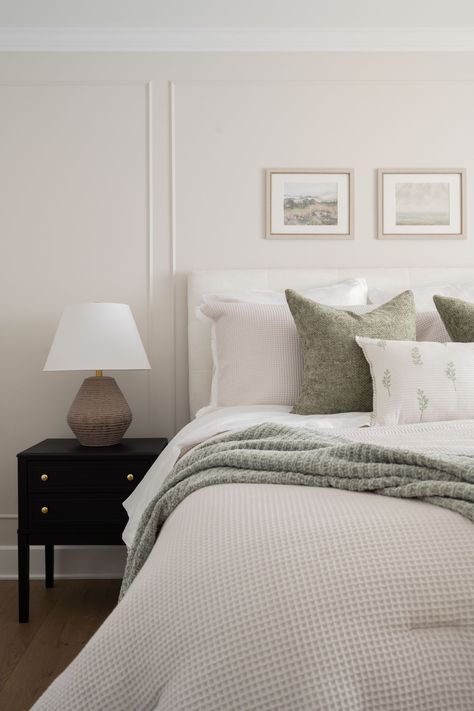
(208,282)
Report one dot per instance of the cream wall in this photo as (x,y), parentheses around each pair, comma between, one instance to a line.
(120,173)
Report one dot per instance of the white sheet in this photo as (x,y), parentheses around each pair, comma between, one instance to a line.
(211,421)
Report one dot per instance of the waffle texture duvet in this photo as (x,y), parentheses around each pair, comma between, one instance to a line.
(268,596)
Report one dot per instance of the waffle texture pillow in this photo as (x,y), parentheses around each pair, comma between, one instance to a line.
(255,353)
(430,327)
(336,376)
(457,316)
(420,381)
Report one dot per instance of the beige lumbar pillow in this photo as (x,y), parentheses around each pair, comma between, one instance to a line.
(336,376)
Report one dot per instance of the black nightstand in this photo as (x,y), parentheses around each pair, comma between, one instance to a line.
(72,495)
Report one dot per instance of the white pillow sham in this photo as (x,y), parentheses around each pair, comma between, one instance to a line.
(424,294)
(350,292)
(417,381)
(430,327)
(256,353)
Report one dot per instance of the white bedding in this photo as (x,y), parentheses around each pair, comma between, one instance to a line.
(287,598)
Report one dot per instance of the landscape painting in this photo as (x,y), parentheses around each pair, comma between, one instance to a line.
(309,204)
(422,203)
(416,203)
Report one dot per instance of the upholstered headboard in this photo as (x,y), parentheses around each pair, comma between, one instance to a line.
(208,282)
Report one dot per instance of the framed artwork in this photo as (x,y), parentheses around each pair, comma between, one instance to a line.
(309,204)
(421,204)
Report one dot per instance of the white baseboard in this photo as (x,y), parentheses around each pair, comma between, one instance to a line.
(69,562)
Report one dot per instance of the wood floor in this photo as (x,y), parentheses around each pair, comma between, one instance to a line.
(62,619)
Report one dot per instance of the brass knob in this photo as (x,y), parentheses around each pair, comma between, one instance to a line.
(44,477)
(44,510)
(130,477)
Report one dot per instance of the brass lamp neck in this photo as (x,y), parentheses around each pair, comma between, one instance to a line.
(98,373)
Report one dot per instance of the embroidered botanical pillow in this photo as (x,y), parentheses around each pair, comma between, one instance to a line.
(420,381)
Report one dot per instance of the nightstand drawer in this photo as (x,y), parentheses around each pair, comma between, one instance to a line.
(123,475)
(56,509)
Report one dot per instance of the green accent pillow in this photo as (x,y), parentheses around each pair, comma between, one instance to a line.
(336,375)
(457,316)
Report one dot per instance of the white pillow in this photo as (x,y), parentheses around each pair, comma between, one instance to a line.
(256,353)
(417,381)
(424,294)
(430,327)
(351,292)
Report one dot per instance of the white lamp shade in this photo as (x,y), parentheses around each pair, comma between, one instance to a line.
(97,337)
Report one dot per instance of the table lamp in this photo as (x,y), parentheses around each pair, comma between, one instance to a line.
(98,337)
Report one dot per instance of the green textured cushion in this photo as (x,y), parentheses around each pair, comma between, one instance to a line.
(336,376)
(457,316)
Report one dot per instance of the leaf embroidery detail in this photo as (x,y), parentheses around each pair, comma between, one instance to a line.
(422,401)
(416,356)
(382,344)
(387,380)
(451,373)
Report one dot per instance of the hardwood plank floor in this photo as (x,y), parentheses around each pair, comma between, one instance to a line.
(62,620)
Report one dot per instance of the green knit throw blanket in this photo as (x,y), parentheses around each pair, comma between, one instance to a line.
(276,454)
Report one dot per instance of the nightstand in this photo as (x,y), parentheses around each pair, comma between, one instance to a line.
(72,495)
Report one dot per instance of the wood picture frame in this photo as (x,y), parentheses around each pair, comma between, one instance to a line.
(304,203)
(421,203)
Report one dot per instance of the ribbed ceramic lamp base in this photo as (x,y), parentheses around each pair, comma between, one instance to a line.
(99,415)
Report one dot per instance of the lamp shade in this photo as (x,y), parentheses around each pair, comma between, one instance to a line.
(97,336)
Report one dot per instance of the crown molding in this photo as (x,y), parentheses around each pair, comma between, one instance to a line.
(225,39)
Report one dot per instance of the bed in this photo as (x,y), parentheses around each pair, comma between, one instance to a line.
(269,596)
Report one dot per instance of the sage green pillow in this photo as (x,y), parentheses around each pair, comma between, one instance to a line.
(336,375)
(457,316)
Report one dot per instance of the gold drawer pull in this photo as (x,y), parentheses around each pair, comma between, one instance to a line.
(130,477)
(44,477)
(44,510)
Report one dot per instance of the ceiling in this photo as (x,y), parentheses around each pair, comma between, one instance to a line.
(236,13)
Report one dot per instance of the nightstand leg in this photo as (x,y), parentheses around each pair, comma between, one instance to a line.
(49,565)
(23,577)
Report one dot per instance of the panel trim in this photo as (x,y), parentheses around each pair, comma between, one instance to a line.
(173,239)
(150,245)
(242,39)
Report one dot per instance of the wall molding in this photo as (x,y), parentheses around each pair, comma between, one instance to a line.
(150,244)
(69,562)
(242,39)
(173,238)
